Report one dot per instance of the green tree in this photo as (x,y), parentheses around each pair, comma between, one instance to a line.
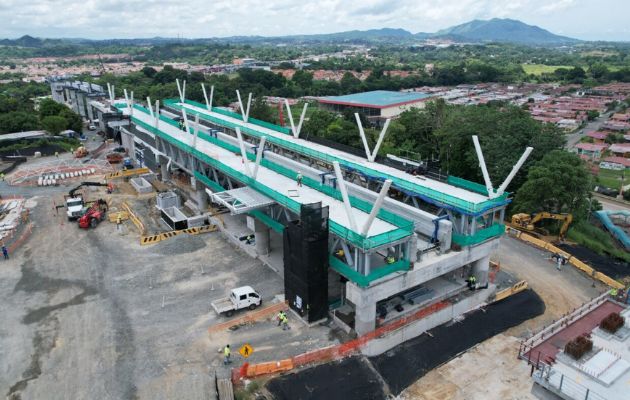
(48,107)
(18,121)
(558,183)
(303,79)
(592,114)
(54,124)
(260,110)
(73,120)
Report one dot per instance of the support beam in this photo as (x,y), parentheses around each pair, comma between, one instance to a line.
(110,91)
(157,114)
(243,153)
(368,154)
(482,164)
(294,130)
(347,254)
(181,89)
(376,207)
(244,112)
(205,96)
(150,107)
(259,153)
(515,169)
(381,136)
(131,104)
(185,120)
(196,133)
(344,195)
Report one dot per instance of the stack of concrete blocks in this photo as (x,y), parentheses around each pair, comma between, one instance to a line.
(168,199)
(141,185)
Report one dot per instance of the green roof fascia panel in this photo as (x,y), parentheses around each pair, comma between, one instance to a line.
(460,205)
(339,230)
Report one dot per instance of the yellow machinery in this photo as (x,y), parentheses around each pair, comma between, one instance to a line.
(527,223)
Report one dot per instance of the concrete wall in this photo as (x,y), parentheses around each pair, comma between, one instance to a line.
(390,112)
(429,268)
(141,185)
(416,328)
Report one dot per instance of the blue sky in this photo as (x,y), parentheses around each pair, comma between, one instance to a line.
(583,19)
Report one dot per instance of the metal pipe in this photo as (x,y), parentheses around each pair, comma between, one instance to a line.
(376,208)
(482,164)
(344,196)
(515,169)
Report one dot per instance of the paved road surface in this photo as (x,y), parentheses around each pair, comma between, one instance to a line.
(612,205)
(574,138)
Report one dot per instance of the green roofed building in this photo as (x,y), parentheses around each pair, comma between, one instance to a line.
(377,105)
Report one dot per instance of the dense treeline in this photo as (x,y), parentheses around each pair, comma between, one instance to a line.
(17,110)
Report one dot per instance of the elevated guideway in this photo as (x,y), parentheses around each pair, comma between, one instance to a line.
(459,195)
(269,182)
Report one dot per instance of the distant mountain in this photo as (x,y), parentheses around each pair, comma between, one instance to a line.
(30,41)
(477,31)
(501,30)
(353,35)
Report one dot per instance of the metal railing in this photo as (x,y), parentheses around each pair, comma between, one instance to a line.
(564,386)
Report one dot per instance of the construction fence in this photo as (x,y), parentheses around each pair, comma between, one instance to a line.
(332,352)
(152,239)
(570,259)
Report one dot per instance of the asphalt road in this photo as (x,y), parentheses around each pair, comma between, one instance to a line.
(574,138)
(612,205)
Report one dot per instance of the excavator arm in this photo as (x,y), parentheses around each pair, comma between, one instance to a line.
(87,183)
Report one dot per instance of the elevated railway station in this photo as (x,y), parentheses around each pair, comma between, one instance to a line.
(362,240)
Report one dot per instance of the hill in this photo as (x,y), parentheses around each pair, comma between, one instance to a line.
(501,30)
(477,31)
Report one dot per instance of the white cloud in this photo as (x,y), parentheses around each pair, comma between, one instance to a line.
(201,18)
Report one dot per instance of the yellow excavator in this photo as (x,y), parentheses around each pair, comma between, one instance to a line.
(527,223)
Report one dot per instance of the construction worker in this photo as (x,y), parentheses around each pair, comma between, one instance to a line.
(299,178)
(5,252)
(613,293)
(2,177)
(57,154)
(390,260)
(280,317)
(226,355)
(472,281)
(285,322)
(118,222)
(340,254)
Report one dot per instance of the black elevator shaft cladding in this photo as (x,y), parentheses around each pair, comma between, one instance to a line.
(306,262)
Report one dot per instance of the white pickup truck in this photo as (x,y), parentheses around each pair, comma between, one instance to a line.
(74,207)
(239,298)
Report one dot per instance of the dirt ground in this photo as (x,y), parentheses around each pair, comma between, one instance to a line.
(491,370)
(94,315)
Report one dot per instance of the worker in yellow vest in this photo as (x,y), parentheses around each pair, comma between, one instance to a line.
(226,355)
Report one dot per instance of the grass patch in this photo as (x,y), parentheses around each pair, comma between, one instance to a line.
(610,178)
(596,239)
(539,69)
